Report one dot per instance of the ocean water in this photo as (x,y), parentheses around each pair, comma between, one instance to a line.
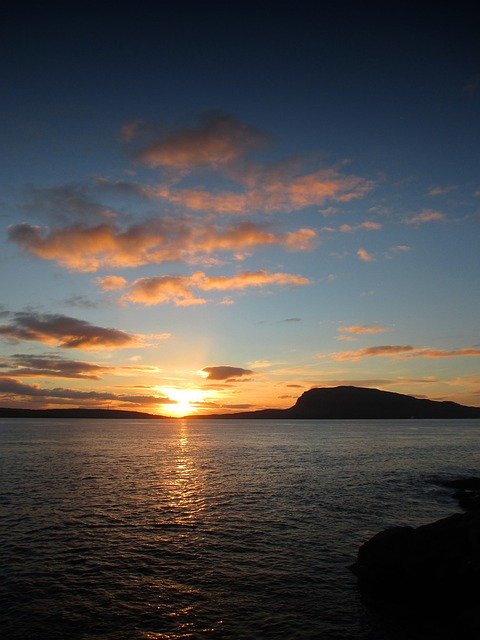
(165,530)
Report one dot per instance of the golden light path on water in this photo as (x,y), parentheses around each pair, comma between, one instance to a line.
(183,496)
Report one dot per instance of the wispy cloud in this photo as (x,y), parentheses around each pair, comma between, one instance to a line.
(400,248)
(367,225)
(64,331)
(225,372)
(80,301)
(87,248)
(441,190)
(180,289)
(359,329)
(66,203)
(424,217)
(52,366)
(12,389)
(267,192)
(404,351)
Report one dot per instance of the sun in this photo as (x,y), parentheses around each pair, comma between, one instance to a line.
(185,400)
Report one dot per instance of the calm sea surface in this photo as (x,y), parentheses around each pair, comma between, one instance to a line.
(163,530)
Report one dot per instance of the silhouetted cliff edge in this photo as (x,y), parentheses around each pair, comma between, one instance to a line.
(359,403)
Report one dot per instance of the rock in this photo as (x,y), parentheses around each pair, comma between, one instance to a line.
(470,483)
(433,572)
(468,492)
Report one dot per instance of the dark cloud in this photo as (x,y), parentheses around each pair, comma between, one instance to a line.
(80,301)
(291,320)
(24,365)
(64,331)
(66,203)
(238,406)
(225,372)
(11,389)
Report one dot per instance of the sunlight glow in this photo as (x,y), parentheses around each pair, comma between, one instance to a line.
(186,400)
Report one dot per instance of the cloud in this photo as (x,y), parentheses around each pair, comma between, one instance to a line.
(424,217)
(11,388)
(440,191)
(24,365)
(218,140)
(225,372)
(162,289)
(400,248)
(363,329)
(246,279)
(64,203)
(80,301)
(404,351)
(365,256)
(270,193)
(179,289)
(111,283)
(129,130)
(363,226)
(65,332)
(87,248)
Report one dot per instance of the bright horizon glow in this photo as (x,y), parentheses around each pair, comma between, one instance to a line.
(185,399)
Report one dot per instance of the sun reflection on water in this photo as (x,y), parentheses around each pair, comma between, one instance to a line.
(185,484)
(182,503)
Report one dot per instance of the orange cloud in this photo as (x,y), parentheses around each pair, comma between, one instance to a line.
(219,140)
(404,351)
(87,248)
(365,256)
(270,193)
(65,332)
(111,283)
(246,279)
(179,289)
(362,329)
(162,289)
(425,216)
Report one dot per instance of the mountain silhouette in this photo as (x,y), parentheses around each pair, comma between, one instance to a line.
(359,403)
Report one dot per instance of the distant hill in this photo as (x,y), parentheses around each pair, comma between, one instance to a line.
(358,403)
(75,413)
(335,403)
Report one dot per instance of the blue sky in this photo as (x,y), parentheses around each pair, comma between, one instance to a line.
(211,206)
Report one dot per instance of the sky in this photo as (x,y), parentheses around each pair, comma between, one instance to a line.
(210,207)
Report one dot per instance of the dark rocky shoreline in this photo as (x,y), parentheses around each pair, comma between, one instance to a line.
(428,577)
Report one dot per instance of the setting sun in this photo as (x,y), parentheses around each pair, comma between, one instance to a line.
(186,401)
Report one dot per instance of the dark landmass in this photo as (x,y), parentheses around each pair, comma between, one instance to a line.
(335,403)
(427,577)
(75,413)
(357,403)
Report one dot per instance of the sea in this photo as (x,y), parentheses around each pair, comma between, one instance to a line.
(210,529)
